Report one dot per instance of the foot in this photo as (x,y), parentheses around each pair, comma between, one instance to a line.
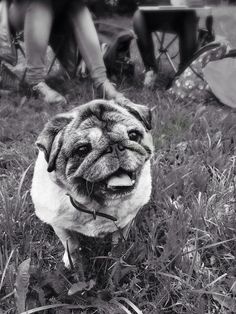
(49,95)
(150,79)
(66,260)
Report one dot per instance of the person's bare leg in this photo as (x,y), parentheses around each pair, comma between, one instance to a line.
(144,39)
(145,45)
(87,40)
(37,29)
(39,17)
(187,31)
(16,14)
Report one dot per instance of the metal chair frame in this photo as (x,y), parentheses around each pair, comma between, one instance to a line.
(163,49)
(9,78)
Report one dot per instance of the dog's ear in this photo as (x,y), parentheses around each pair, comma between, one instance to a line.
(50,139)
(142,113)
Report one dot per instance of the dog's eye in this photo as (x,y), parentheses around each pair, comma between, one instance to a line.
(83,150)
(135,136)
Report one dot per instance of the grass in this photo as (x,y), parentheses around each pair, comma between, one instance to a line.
(180,256)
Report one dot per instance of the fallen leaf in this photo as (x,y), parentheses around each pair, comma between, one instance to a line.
(21,285)
(81,286)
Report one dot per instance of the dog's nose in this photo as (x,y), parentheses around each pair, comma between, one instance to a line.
(120,147)
(109,150)
(115,148)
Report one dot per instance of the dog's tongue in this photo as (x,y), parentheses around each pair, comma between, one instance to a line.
(119,181)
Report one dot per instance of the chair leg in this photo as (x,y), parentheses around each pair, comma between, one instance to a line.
(163,50)
(52,64)
(171,62)
(160,49)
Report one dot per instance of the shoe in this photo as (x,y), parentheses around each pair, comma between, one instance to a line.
(49,95)
(150,79)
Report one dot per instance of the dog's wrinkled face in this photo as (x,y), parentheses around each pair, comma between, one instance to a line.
(98,150)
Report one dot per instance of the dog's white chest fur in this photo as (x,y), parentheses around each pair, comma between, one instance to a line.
(53,206)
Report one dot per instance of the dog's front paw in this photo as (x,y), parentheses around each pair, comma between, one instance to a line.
(74,262)
(119,249)
(66,260)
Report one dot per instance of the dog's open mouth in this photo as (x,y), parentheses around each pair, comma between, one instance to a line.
(119,183)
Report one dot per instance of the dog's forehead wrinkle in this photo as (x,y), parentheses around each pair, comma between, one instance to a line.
(91,135)
(115,117)
(95,136)
(102,115)
(104,107)
(90,122)
(96,109)
(99,110)
(117,136)
(82,116)
(127,124)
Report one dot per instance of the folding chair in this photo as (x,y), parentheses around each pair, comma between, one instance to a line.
(9,80)
(167,43)
(164,49)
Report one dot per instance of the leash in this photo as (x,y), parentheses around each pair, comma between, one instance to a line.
(83,209)
(91,212)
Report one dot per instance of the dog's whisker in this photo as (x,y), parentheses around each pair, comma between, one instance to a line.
(91,191)
(89,188)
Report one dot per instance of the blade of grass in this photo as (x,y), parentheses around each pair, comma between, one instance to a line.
(216,280)
(19,190)
(121,306)
(54,306)
(44,308)
(194,259)
(5,269)
(131,304)
(21,285)
(176,278)
(7,296)
(22,181)
(209,246)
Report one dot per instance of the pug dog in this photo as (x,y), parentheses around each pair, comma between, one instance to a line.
(92,174)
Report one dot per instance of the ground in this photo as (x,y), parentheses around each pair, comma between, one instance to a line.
(181,253)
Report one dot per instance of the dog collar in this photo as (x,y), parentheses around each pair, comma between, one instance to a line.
(83,209)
